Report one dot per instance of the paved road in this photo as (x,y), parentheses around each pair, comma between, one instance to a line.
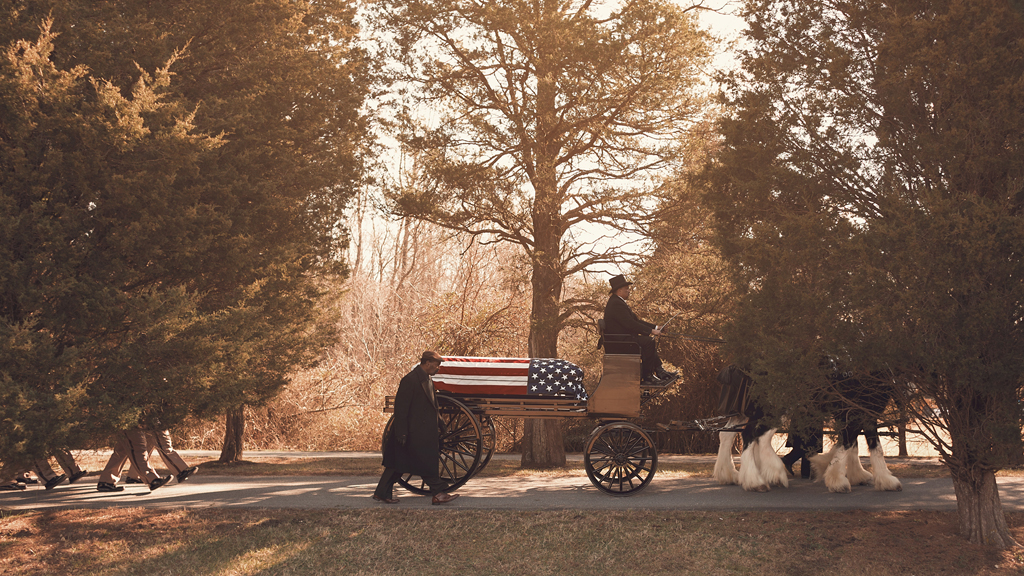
(513,493)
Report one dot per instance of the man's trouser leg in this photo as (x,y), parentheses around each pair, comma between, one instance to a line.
(67,462)
(386,486)
(112,471)
(162,440)
(138,454)
(43,469)
(649,360)
(436,484)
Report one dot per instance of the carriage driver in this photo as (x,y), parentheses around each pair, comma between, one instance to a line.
(620,319)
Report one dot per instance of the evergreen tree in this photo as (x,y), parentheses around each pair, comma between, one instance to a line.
(86,180)
(869,196)
(239,231)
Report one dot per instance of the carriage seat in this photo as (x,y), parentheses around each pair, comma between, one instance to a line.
(615,343)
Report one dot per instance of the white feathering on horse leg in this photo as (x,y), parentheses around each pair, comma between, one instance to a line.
(725,466)
(855,472)
(820,462)
(835,476)
(771,466)
(750,477)
(884,480)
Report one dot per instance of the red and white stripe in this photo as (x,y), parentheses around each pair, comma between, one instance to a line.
(474,375)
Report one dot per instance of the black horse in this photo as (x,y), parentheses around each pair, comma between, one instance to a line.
(855,405)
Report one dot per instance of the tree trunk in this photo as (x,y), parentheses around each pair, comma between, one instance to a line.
(234,435)
(543,445)
(901,428)
(979,510)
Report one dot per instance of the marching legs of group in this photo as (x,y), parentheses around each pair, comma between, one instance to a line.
(133,447)
(50,479)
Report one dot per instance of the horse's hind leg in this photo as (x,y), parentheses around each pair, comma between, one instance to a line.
(760,466)
(725,467)
(834,464)
(820,462)
(769,464)
(884,480)
(750,477)
(855,472)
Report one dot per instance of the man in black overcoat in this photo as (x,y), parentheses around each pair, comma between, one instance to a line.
(413,446)
(621,320)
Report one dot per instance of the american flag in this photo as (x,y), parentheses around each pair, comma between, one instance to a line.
(510,376)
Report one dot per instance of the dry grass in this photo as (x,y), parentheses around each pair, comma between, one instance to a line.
(220,541)
(448,541)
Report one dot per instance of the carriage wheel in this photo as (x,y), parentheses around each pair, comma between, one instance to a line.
(620,459)
(488,435)
(461,445)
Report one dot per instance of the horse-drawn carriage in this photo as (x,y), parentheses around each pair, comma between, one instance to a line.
(620,457)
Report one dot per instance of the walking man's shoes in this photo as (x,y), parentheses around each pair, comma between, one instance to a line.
(160,482)
(385,500)
(108,487)
(442,498)
(77,476)
(133,480)
(184,474)
(12,486)
(55,481)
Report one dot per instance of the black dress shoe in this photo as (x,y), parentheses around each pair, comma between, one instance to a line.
(652,381)
(184,474)
(55,481)
(160,482)
(77,476)
(12,486)
(26,480)
(108,487)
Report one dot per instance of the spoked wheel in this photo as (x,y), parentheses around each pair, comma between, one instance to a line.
(620,459)
(487,442)
(461,446)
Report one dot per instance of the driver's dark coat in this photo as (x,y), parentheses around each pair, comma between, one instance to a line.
(416,418)
(620,319)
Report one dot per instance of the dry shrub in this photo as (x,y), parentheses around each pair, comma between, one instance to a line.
(425,290)
(428,292)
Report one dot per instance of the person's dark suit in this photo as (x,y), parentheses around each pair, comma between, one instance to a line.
(619,318)
(413,446)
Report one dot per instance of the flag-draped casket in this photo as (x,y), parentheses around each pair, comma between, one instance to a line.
(510,376)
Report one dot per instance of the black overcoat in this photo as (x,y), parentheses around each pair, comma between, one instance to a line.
(416,418)
(620,319)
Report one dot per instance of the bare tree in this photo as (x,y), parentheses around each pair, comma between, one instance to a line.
(548,122)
